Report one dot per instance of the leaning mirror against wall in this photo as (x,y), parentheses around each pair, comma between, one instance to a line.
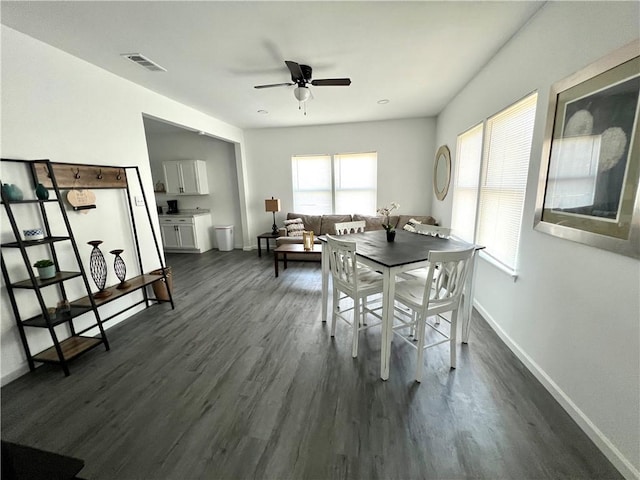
(442,172)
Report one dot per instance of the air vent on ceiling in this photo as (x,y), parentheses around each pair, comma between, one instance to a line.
(144,62)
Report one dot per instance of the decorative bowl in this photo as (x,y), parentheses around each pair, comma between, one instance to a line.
(33,234)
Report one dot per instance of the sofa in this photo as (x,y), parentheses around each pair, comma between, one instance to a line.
(325,224)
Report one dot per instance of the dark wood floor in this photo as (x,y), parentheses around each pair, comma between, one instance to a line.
(242,380)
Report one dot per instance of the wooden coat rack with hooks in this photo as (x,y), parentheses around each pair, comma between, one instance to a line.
(75,175)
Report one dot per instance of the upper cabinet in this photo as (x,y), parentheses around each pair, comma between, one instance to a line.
(186,177)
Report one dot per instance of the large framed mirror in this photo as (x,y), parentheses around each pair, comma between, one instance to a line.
(442,172)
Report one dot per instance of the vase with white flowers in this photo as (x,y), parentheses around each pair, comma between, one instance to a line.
(386,212)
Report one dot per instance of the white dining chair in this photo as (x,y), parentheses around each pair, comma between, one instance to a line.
(434,230)
(421,303)
(343,228)
(444,232)
(350,281)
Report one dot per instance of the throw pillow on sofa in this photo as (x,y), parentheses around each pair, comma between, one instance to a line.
(310,222)
(294,227)
(410,225)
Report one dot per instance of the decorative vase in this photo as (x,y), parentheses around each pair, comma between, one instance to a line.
(47,272)
(98,268)
(120,269)
(41,192)
(12,192)
(391,235)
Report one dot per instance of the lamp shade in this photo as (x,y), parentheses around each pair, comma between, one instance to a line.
(272,205)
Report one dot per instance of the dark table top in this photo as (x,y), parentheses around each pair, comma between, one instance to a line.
(407,248)
(20,462)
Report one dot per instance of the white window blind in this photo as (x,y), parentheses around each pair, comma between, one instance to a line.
(465,185)
(507,148)
(312,185)
(344,183)
(356,182)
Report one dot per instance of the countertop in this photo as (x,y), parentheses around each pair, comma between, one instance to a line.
(187,213)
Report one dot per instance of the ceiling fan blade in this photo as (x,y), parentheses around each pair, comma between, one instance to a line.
(296,71)
(275,85)
(331,82)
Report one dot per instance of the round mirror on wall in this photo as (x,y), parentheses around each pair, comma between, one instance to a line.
(442,172)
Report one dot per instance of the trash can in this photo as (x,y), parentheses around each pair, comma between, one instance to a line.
(159,288)
(224,237)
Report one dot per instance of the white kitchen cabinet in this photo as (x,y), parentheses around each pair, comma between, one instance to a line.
(186,177)
(186,233)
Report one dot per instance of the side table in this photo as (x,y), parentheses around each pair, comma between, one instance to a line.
(266,236)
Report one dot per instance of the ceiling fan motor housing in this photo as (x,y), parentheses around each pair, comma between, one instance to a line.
(306,75)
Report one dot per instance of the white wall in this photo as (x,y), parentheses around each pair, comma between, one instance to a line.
(59,107)
(573,315)
(405,162)
(219,156)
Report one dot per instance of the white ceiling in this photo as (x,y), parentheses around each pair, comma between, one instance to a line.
(417,55)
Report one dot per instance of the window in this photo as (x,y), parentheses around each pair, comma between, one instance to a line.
(342,183)
(465,185)
(492,179)
(312,191)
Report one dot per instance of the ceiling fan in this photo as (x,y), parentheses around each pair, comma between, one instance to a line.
(301,76)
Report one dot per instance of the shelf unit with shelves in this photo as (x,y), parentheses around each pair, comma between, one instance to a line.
(62,351)
(78,341)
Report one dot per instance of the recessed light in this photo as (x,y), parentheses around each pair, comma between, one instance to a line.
(201,133)
(384,101)
(262,112)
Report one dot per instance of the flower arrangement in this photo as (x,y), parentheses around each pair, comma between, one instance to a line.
(385,212)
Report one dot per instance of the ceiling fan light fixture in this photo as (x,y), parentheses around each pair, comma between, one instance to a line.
(302,94)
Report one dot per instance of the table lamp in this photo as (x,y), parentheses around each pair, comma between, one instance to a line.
(273,205)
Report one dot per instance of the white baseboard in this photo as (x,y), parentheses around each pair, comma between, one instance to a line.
(17,373)
(624,466)
(23,369)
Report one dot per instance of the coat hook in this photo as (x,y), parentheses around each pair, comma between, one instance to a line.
(76,174)
(99,176)
(119,176)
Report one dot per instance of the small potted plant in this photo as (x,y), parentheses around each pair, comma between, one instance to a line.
(46,269)
(386,212)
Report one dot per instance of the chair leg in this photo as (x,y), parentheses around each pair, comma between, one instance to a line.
(334,311)
(356,326)
(453,342)
(412,331)
(420,361)
(364,311)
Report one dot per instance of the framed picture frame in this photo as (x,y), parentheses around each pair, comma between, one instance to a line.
(590,169)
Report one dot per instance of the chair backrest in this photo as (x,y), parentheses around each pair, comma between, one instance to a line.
(432,230)
(447,273)
(343,228)
(342,262)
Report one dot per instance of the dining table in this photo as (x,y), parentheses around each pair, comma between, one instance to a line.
(408,251)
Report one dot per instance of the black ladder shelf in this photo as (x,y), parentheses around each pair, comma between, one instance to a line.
(78,342)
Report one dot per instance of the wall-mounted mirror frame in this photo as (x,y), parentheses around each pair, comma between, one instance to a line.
(442,172)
